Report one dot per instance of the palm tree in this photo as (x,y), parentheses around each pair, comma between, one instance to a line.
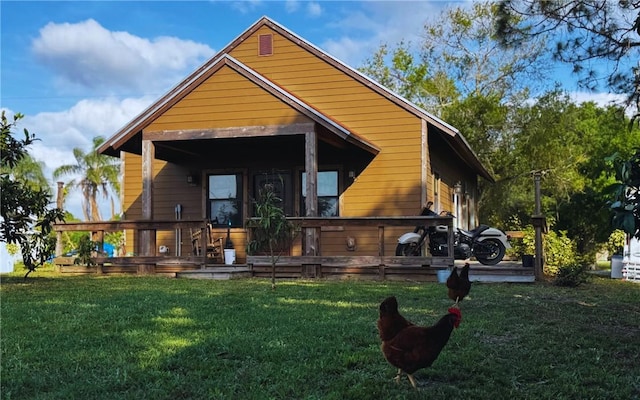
(30,172)
(98,173)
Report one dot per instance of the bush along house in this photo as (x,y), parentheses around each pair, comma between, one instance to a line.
(273,108)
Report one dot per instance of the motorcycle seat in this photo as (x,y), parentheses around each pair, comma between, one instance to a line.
(475,232)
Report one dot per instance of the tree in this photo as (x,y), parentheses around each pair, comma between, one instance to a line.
(98,172)
(626,203)
(272,232)
(410,78)
(463,75)
(585,32)
(30,173)
(459,57)
(27,219)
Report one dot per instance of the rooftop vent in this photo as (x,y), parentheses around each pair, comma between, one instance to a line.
(265,45)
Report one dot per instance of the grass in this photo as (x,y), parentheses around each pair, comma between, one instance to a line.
(131,337)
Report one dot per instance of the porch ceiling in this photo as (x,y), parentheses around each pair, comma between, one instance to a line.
(249,151)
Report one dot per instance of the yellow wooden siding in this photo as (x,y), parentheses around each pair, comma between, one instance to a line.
(226,99)
(393,179)
(170,188)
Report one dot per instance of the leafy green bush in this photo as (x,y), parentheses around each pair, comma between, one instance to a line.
(559,251)
(616,242)
(571,275)
(86,247)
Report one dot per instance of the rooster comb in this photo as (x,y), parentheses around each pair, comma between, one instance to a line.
(457,313)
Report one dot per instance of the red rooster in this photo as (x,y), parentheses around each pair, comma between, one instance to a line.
(413,347)
(390,321)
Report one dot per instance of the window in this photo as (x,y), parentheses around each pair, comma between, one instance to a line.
(327,193)
(225,200)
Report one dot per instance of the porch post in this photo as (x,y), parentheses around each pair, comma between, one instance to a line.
(424,164)
(311,201)
(147,238)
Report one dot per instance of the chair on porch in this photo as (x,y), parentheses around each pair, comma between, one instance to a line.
(214,245)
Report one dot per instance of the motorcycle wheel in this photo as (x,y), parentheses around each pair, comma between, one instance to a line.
(496,253)
(406,249)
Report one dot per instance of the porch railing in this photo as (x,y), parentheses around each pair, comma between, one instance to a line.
(312,228)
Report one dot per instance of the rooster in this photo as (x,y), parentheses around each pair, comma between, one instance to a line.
(416,347)
(390,322)
(459,285)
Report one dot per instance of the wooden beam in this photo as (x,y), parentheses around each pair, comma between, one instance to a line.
(112,226)
(231,132)
(311,200)
(147,238)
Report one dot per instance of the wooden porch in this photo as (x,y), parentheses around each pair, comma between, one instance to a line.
(307,265)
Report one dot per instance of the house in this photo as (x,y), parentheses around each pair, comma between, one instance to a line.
(272,107)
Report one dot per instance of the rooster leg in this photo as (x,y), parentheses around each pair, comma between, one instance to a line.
(398,376)
(413,381)
(457,302)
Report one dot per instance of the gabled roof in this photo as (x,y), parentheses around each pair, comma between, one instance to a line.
(450,133)
(186,86)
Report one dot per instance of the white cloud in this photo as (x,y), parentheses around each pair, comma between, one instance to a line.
(601,99)
(60,132)
(246,6)
(88,55)
(291,6)
(379,22)
(314,9)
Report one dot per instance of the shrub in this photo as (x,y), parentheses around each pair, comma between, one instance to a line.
(571,275)
(616,242)
(559,250)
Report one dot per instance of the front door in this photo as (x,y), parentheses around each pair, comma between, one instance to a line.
(281,181)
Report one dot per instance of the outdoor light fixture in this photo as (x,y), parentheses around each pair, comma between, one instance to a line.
(192,180)
(458,188)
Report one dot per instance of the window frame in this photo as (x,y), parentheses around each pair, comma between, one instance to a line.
(301,197)
(237,220)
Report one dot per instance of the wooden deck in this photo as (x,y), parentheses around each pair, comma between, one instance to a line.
(376,266)
(289,268)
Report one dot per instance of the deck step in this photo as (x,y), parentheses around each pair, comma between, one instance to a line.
(219,273)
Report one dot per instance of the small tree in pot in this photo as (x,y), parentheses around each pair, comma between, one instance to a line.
(271,231)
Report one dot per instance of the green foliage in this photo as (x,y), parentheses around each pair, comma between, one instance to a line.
(571,275)
(626,194)
(271,231)
(86,248)
(559,252)
(486,100)
(587,33)
(616,241)
(99,173)
(13,249)
(27,219)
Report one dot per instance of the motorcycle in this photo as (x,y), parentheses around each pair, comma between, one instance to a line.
(488,245)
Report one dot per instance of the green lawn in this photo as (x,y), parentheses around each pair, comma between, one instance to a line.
(131,337)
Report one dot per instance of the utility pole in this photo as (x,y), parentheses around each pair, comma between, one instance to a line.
(539,223)
(59,204)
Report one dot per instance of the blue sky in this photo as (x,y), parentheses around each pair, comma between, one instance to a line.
(80,69)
